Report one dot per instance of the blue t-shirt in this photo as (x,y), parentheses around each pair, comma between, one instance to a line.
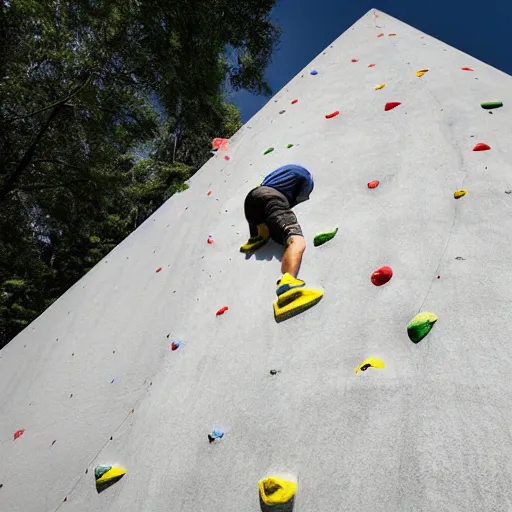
(294,181)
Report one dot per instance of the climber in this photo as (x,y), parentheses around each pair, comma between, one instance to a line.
(268,212)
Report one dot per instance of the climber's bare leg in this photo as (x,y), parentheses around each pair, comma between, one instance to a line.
(292,256)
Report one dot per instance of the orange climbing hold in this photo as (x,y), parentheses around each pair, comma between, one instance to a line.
(481,146)
(221,311)
(332,114)
(294,101)
(380,35)
(373,184)
(392,34)
(391,105)
(381,276)
(371,65)
(467,69)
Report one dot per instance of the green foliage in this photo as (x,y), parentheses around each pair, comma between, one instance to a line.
(106,109)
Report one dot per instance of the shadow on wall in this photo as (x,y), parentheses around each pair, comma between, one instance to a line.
(284,507)
(268,253)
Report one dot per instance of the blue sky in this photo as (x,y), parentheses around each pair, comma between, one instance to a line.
(479,29)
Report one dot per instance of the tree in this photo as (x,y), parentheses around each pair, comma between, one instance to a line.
(86,85)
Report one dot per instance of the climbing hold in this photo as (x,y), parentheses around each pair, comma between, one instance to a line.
(274,372)
(107,475)
(421,72)
(289,146)
(209,193)
(216,434)
(392,34)
(467,69)
(282,111)
(227,157)
(488,105)
(314,72)
(18,433)
(276,491)
(295,301)
(508,191)
(481,146)
(373,184)
(176,345)
(460,258)
(269,150)
(380,35)
(354,60)
(380,86)
(422,37)
(332,114)
(391,105)
(294,101)
(371,65)
(221,311)
(159,269)
(322,238)
(210,240)
(438,277)
(221,144)
(370,363)
(459,193)
(381,276)
(420,326)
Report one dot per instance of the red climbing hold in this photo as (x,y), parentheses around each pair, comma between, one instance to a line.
(227,157)
(467,69)
(221,311)
(354,60)
(380,35)
(210,240)
(159,269)
(18,433)
(294,101)
(209,193)
(481,147)
(371,65)
(391,105)
(332,114)
(373,184)
(381,276)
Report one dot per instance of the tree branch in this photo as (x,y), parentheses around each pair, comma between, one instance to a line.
(48,186)
(73,93)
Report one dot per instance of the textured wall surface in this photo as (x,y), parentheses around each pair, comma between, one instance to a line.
(431,431)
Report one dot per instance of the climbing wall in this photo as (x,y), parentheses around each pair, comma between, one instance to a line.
(133,368)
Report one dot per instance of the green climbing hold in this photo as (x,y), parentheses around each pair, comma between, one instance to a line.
(488,105)
(269,150)
(322,238)
(420,326)
(289,146)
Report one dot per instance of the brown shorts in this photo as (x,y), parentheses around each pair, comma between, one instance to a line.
(266,205)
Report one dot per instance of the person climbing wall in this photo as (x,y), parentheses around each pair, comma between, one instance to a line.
(269,215)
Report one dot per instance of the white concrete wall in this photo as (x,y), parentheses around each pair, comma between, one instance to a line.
(430,432)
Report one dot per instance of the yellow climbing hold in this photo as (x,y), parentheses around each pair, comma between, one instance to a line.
(421,72)
(459,193)
(276,491)
(371,362)
(380,86)
(107,475)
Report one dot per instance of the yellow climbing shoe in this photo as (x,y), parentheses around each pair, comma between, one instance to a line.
(288,282)
(257,241)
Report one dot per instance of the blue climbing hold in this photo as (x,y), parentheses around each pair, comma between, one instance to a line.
(216,434)
(314,72)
